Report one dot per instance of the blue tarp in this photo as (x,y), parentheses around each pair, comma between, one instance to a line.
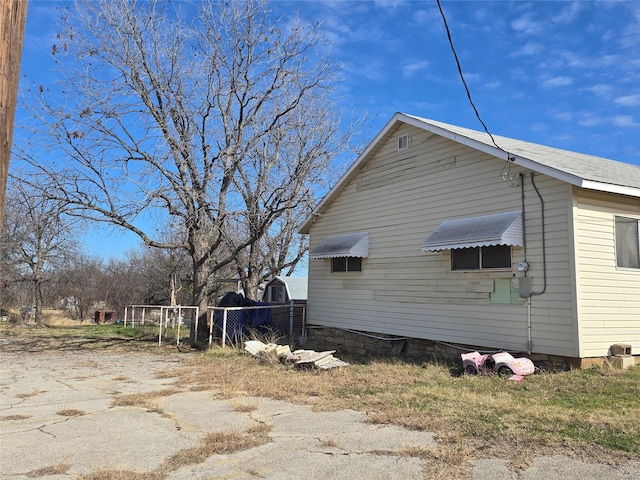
(240,322)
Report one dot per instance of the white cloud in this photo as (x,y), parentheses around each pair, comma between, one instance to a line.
(568,13)
(539,127)
(412,68)
(389,3)
(600,90)
(472,77)
(494,84)
(564,116)
(628,100)
(373,69)
(572,59)
(427,17)
(589,120)
(624,121)
(529,48)
(557,82)
(608,35)
(482,15)
(526,24)
(630,34)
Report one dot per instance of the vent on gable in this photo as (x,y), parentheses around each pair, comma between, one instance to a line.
(403,142)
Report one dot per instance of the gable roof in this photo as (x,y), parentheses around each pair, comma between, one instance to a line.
(296,286)
(581,170)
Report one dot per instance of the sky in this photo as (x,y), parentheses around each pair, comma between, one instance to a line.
(563,74)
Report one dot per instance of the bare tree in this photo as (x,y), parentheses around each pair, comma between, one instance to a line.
(36,239)
(124,282)
(82,282)
(217,122)
(167,276)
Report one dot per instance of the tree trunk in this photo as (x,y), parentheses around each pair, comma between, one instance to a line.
(38,301)
(200,298)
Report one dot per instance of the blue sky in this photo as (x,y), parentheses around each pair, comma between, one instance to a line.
(563,74)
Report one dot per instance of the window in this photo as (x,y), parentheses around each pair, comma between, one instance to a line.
(480,258)
(346,264)
(627,242)
(276,294)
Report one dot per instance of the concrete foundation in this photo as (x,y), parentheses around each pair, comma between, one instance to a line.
(347,342)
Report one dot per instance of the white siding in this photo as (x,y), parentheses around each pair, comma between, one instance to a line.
(608,297)
(399,198)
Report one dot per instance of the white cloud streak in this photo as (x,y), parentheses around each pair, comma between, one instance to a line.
(628,100)
(554,82)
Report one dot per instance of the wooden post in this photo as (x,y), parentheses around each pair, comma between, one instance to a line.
(13,16)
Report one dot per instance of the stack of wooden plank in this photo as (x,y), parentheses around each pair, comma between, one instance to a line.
(300,358)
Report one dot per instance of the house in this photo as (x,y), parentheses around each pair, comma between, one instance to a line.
(448,236)
(291,293)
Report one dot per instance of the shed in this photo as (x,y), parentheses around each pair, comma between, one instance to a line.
(436,233)
(291,293)
(104,316)
(285,290)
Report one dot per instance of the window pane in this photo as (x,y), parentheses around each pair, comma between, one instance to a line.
(498,256)
(276,294)
(354,264)
(627,243)
(339,264)
(465,258)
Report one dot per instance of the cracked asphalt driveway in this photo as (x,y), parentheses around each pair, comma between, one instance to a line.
(90,413)
(61,409)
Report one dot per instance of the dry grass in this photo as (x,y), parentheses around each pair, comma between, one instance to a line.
(165,374)
(8,418)
(58,318)
(144,400)
(243,405)
(590,414)
(32,393)
(70,412)
(329,442)
(217,443)
(58,469)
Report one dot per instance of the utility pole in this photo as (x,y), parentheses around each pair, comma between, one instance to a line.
(13,16)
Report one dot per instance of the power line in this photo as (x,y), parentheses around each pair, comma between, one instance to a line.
(455,55)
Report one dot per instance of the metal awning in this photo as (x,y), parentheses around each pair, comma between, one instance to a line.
(497,229)
(352,245)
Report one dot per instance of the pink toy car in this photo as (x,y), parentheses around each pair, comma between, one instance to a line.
(501,363)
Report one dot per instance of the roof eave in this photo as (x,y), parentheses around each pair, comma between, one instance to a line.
(611,188)
(475,144)
(494,151)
